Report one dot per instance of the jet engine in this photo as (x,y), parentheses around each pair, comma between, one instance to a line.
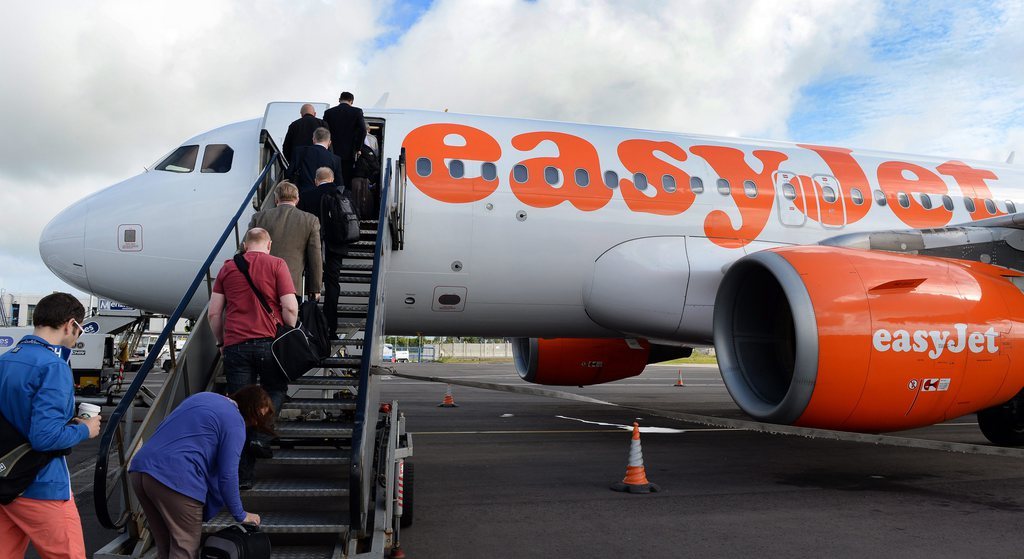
(580,361)
(867,341)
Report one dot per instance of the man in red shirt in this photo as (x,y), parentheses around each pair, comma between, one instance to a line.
(242,328)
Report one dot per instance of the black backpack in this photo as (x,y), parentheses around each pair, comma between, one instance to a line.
(315,325)
(338,219)
(368,165)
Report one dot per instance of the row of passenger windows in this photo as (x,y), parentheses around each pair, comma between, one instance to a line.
(216,159)
(553,176)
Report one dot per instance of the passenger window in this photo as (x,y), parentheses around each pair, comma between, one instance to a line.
(520,173)
(217,158)
(1010,208)
(423,167)
(926,201)
(947,202)
(969,204)
(750,189)
(789,191)
(489,171)
(582,177)
(903,199)
(181,160)
(828,194)
(668,182)
(456,168)
(857,196)
(640,181)
(696,185)
(551,175)
(880,198)
(611,179)
(723,186)
(990,206)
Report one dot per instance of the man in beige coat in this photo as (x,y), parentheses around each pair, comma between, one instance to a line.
(296,238)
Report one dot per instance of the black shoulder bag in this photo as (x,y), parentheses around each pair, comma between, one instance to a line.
(293,351)
(19,463)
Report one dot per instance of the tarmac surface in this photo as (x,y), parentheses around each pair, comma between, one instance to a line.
(511,475)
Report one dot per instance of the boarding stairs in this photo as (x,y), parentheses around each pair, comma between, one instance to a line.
(329,489)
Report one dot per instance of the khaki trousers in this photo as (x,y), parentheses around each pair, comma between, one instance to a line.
(175,520)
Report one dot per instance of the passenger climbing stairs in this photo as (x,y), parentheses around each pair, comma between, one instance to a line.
(329,489)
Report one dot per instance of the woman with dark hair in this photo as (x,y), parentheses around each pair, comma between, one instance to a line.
(188,470)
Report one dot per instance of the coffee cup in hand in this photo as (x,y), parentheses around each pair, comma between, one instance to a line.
(87,410)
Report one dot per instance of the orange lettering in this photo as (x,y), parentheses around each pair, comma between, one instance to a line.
(573,153)
(893,182)
(729,163)
(850,175)
(972,184)
(638,157)
(429,142)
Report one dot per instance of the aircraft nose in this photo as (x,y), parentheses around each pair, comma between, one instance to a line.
(62,245)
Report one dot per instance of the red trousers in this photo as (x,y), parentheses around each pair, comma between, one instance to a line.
(54,528)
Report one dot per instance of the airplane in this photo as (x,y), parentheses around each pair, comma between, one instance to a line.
(842,288)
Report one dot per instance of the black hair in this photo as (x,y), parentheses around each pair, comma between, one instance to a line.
(56,309)
(346,96)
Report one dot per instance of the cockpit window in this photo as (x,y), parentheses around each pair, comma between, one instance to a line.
(182,160)
(217,158)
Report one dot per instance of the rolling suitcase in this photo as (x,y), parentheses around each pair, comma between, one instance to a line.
(236,542)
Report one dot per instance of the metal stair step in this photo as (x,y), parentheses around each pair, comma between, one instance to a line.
(353,279)
(341,362)
(298,522)
(350,324)
(359,255)
(369,221)
(302,552)
(355,293)
(298,488)
(309,404)
(325,381)
(347,342)
(322,456)
(313,429)
(352,308)
(346,265)
(368,232)
(363,244)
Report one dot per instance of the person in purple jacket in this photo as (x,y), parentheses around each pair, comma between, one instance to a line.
(188,470)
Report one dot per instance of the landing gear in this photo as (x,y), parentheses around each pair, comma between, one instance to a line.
(1004,424)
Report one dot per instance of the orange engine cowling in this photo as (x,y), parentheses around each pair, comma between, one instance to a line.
(579,361)
(868,341)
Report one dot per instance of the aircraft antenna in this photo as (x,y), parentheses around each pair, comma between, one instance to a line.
(1009,159)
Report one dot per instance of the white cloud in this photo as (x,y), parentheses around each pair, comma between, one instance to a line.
(719,67)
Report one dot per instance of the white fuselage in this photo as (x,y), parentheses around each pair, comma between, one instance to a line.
(529,258)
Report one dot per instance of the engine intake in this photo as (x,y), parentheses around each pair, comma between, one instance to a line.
(866,341)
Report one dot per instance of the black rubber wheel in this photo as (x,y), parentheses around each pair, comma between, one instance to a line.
(1004,425)
(407,496)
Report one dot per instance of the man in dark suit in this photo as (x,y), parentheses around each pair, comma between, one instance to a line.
(348,130)
(310,158)
(300,132)
(296,238)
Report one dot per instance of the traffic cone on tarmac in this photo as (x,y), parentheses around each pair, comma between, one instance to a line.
(636,478)
(448,401)
(680,381)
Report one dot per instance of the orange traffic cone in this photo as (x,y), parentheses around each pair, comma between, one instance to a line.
(448,401)
(680,381)
(636,478)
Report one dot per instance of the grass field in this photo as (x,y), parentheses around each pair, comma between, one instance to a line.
(695,359)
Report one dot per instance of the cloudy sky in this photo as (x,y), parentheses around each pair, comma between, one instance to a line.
(93,91)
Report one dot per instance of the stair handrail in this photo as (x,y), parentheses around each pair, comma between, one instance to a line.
(127,400)
(360,480)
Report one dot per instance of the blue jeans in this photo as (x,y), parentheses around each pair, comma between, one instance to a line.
(244,364)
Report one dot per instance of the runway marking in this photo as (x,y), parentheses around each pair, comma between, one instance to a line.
(627,427)
(515,432)
(744,424)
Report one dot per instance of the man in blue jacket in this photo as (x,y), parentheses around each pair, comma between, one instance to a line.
(37,397)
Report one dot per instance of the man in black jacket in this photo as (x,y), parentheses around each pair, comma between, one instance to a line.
(348,130)
(308,159)
(300,132)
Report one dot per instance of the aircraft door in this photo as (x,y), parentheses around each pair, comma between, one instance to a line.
(280,114)
(791,199)
(831,201)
